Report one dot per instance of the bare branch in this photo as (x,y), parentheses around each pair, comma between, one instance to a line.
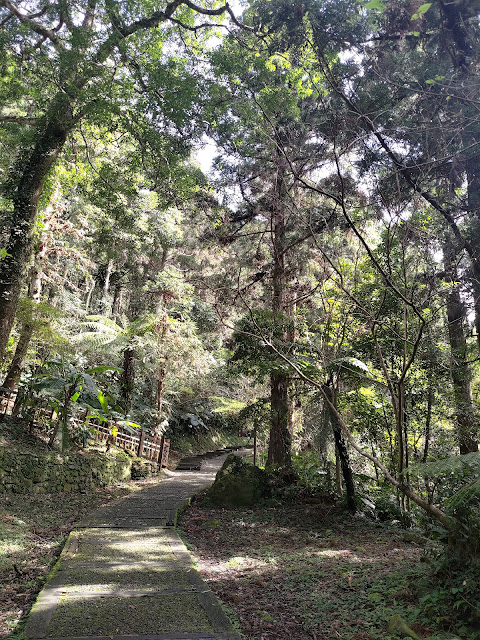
(405,489)
(33,122)
(162,16)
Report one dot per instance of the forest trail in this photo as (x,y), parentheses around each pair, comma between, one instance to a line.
(125,572)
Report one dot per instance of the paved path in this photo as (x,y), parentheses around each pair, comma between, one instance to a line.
(124,574)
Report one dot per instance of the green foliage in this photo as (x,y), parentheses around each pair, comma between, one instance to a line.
(63,385)
(313,475)
(251,337)
(457,479)
(453,603)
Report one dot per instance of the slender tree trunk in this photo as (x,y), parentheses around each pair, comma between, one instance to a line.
(459,368)
(128,379)
(473,182)
(89,295)
(28,178)
(400,419)
(106,287)
(342,450)
(162,373)
(117,300)
(428,423)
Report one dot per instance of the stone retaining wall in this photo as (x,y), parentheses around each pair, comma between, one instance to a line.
(69,472)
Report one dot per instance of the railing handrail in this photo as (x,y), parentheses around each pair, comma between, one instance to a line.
(146,446)
(152,448)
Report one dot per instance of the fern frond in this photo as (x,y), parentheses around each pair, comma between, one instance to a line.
(465,495)
(100,328)
(103,321)
(453,465)
(93,339)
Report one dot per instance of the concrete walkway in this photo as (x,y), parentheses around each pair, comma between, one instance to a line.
(124,574)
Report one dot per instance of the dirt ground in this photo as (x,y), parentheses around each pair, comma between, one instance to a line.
(306,572)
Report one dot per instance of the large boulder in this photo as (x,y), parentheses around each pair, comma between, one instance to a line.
(237,484)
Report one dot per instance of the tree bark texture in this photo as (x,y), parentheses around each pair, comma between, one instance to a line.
(428,423)
(14,371)
(473,182)
(106,308)
(280,444)
(26,185)
(128,379)
(460,370)
(15,368)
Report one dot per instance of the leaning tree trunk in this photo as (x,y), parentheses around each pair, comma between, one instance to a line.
(341,448)
(28,178)
(460,369)
(15,368)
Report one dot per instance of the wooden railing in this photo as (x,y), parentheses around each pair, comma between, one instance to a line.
(154,448)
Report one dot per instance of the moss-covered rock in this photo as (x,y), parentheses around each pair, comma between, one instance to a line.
(237,484)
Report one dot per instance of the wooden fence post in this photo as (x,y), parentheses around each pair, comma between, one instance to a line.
(160,453)
(165,451)
(140,444)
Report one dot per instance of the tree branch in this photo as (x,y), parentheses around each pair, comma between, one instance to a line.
(89,14)
(162,16)
(35,26)
(20,120)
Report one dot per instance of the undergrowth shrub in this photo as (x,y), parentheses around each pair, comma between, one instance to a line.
(453,604)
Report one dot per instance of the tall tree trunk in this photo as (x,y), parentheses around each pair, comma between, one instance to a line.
(162,373)
(106,287)
(280,443)
(459,368)
(400,419)
(117,299)
(473,182)
(28,178)
(161,331)
(428,422)
(91,287)
(14,371)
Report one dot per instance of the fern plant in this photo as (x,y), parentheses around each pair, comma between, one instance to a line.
(457,479)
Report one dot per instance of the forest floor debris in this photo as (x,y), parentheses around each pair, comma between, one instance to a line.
(309,572)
